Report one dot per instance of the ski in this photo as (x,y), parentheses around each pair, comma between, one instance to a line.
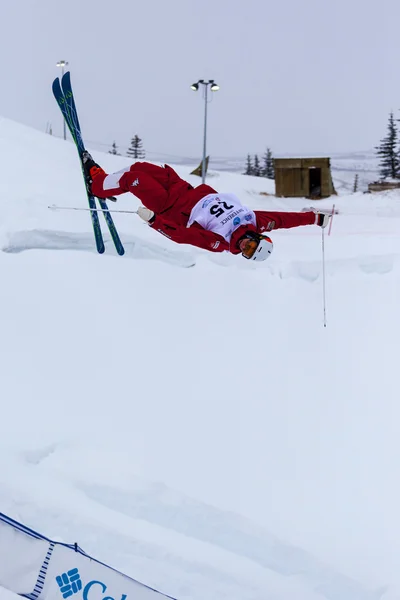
(59,96)
(69,96)
(65,98)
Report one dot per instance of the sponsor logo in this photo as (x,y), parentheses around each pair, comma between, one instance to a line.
(136,182)
(231,216)
(236,221)
(70,583)
(215,245)
(248,217)
(206,202)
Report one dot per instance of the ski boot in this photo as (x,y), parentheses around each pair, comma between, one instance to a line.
(91,169)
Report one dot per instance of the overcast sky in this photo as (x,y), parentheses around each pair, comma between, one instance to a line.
(298,76)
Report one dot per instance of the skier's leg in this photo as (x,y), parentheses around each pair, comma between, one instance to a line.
(143,180)
(156,187)
(160,174)
(147,188)
(104,184)
(168,178)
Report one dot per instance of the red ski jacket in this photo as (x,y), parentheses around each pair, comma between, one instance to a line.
(172,199)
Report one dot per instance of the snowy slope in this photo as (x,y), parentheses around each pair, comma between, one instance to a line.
(196,427)
(7,595)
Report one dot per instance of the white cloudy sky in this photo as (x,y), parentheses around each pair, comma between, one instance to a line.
(298,76)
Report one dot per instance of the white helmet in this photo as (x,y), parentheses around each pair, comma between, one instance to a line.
(258,247)
(264,248)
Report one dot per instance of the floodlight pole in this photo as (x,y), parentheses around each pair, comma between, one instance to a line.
(214,87)
(203,166)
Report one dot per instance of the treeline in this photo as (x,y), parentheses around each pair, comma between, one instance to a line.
(135,150)
(263,167)
(256,166)
(389,151)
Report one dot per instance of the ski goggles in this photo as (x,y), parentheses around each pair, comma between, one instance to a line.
(248,246)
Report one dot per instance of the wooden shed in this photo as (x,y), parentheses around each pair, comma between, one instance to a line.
(303,177)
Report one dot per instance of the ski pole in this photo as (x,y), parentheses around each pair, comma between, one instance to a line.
(323,274)
(55,207)
(323,261)
(331,219)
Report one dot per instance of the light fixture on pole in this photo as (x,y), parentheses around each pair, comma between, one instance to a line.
(62,64)
(214,87)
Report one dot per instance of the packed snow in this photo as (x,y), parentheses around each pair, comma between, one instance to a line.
(185,416)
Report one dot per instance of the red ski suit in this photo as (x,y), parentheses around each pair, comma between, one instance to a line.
(172,199)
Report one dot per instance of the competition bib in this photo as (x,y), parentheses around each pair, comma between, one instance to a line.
(222,214)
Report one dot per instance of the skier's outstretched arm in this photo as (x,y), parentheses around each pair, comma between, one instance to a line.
(268,220)
(194,235)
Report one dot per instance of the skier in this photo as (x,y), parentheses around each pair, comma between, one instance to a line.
(198,216)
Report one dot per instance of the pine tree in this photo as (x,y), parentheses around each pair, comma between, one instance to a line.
(136,148)
(268,165)
(355,184)
(257,168)
(249,166)
(114,150)
(389,165)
